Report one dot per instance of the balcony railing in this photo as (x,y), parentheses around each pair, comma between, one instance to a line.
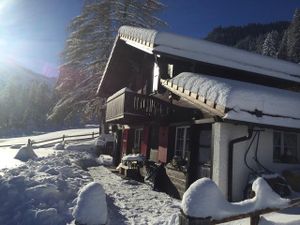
(126,106)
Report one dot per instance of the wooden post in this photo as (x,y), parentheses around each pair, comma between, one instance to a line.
(186,220)
(29,142)
(254,220)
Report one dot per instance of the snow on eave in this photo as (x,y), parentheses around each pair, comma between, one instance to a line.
(142,36)
(236,100)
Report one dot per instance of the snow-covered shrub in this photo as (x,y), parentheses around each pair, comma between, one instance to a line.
(204,199)
(91,208)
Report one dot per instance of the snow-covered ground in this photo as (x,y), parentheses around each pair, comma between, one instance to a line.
(23,140)
(7,154)
(44,191)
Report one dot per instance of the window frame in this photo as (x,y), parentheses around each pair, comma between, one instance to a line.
(280,148)
(185,147)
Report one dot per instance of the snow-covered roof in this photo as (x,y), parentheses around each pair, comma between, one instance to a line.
(236,100)
(154,42)
(209,52)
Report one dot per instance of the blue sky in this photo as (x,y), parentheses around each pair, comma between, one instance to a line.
(32,32)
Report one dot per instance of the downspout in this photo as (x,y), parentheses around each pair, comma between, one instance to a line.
(230,159)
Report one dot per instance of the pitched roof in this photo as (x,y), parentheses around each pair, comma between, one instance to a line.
(205,51)
(236,100)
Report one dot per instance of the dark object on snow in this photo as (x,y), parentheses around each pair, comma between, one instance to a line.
(293,179)
(161,182)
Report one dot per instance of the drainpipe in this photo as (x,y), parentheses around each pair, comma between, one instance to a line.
(230,159)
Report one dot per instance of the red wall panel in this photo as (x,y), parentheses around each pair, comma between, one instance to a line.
(145,141)
(163,144)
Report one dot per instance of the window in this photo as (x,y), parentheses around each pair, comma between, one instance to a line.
(286,147)
(182,141)
(155,77)
(137,139)
(170,70)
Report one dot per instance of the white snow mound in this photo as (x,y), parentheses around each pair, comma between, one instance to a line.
(204,199)
(105,160)
(133,157)
(91,205)
(25,153)
(59,146)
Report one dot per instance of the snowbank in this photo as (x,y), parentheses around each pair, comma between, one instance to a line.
(42,192)
(204,199)
(25,153)
(91,208)
(84,146)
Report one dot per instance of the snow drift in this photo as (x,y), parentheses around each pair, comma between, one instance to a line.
(204,199)
(91,208)
(25,153)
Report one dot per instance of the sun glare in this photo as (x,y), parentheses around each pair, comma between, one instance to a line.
(4,4)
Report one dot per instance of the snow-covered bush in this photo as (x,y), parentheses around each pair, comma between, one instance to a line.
(91,208)
(204,199)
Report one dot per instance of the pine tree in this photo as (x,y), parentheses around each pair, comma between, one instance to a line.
(88,46)
(270,44)
(293,40)
(282,51)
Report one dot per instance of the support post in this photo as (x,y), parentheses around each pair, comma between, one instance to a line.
(254,220)
(29,143)
(186,220)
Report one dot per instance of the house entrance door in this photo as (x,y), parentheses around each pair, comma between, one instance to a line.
(204,153)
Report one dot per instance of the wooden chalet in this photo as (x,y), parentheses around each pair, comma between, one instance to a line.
(196,106)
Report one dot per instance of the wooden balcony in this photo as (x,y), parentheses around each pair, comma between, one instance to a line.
(127,107)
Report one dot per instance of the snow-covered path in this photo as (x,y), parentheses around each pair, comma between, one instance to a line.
(135,203)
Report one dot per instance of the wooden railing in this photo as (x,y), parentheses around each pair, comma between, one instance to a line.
(129,105)
(51,141)
(254,216)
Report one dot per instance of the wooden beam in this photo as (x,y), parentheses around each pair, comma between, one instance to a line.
(196,102)
(205,121)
